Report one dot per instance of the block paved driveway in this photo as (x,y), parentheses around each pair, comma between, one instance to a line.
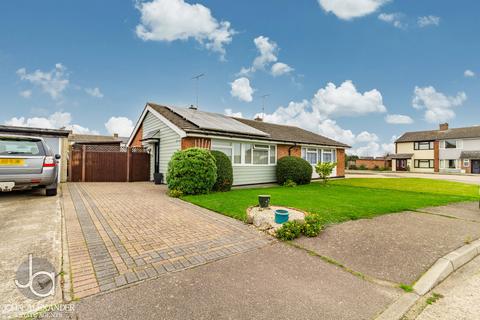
(121,233)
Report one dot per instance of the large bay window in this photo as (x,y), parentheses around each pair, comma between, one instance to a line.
(247,153)
(316,155)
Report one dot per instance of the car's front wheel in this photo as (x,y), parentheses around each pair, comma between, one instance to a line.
(51,192)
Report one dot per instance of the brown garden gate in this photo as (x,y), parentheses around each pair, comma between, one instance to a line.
(106,163)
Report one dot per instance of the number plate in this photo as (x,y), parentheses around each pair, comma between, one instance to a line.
(6,186)
(12,162)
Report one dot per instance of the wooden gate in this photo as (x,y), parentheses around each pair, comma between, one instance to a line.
(99,163)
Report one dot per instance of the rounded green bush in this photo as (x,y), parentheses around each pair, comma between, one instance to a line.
(312,226)
(290,230)
(192,171)
(224,172)
(295,169)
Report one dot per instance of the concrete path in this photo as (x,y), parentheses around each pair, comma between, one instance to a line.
(458,297)
(398,247)
(470,179)
(122,233)
(30,223)
(275,282)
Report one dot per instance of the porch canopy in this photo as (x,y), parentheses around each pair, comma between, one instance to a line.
(400,156)
(470,155)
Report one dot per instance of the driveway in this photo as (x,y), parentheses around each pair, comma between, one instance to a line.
(122,233)
(30,223)
(470,179)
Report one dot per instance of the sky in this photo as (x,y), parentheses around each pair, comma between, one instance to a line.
(358,71)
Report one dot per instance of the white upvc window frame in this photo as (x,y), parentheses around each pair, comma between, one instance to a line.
(226,144)
(320,154)
(466,163)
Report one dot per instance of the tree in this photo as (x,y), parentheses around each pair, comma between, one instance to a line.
(324,170)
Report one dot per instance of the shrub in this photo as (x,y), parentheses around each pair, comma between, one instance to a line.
(290,230)
(353,167)
(325,169)
(289,183)
(376,168)
(312,226)
(192,171)
(295,169)
(175,193)
(362,167)
(224,172)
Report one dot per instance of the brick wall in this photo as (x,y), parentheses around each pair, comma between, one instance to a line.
(282,151)
(371,163)
(436,156)
(136,142)
(340,162)
(192,142)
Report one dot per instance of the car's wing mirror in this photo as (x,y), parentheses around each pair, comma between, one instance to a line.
(57,156)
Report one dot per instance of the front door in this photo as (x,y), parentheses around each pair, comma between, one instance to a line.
(156,157)
(401,164)
(476,166)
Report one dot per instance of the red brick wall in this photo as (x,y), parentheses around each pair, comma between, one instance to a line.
(370,164)
(192,142)
(138,136)
(436,156)
(282,151)
(340,162)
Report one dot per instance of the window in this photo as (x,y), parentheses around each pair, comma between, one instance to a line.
(452,164)
(450,144)
(21,147)
(312,156)
(248,153)
(327,156)
(466,163)
(237,153)
(273,154)
(424,164)
(423,145)
(260,154)
(225,147)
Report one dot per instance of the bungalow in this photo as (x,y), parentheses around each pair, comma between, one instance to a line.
(252,145)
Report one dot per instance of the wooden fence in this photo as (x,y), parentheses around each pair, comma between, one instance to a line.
(97,163)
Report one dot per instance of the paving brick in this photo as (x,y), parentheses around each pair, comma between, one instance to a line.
(120,280)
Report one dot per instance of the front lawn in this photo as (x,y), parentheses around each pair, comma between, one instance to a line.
(346,199)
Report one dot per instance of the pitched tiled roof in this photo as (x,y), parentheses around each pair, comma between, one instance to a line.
(470,155)
(400,156)
(279,133)
(454,133)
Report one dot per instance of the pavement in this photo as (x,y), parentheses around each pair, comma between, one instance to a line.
(470,179)
(276,281)
(398,247)
(123,233)
(30,223)
(459,297)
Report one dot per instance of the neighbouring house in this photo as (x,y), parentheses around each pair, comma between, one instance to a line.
(93,139)
(455,150)
(374,163)
(252,145)
(57,140)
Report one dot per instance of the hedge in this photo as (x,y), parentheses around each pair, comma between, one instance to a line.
(295,169)
(192,171)
(224,172)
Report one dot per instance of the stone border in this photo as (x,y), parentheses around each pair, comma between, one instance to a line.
(440,270)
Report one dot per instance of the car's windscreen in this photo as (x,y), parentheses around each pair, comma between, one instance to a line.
(15,147)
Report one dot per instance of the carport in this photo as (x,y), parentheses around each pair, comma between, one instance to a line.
(56,139)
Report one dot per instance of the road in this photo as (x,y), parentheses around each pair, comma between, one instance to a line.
(470,179)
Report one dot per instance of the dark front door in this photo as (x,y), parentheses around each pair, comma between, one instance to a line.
(401,164)
(476,166)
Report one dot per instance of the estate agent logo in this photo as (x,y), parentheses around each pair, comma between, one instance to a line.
(35,278)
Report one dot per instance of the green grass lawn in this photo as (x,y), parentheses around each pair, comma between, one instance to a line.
(343,200)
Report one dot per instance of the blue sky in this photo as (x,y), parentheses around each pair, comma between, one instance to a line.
(342,68)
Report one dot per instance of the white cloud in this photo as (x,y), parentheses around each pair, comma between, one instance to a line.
(230,113)
(349,9)
(120,125)
(398,119)
(94,92)
(26,93)
(242,90)
(375,149)
(366,136)
(56,120)
(53,82)
(170,20)
(394,19)
(281,68)
(469,73)
(345,100)
(426,21)
(438,106)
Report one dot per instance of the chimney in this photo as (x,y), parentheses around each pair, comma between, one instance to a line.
(443,126)
(258,118)
(115,135)
(192,107)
